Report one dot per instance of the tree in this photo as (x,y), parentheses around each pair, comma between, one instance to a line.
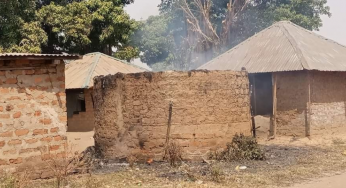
(72,26)
(213,26)
(19,32)
(88,26)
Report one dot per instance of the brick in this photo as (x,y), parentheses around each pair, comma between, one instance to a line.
(29,72)
(2,73)
(58,138)
(60,78)
(21,132)
(21,90)
(6,134)
(48,79)
(1,109)
(12,98)
(0,124)
(29,150)
(38,80)
(17,115)
(61,94)
(63,118)
(54,130)
(4,90)
(46,121)
(11,81)
(47,139)
(3,162)
(14,142)
(55,102)
(38,113)
(40,131)
(54,147)
(5,116)
(10,152)
(62,86)
(2,144)
(16,161)
(17,72)
(44,103)
(31,141)
(21,106)
(40,97)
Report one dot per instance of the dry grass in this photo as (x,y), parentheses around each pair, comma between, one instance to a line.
(283,167)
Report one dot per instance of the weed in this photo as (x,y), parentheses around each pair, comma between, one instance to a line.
(241,148)
(339,141)
(173,154)
(19,180)
(62,164)
(216,173)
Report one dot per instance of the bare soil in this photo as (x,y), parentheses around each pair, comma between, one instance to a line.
(318,162)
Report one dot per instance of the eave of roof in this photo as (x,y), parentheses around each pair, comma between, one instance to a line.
(31,56)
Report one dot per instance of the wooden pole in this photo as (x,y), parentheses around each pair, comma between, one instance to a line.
(254,94)
(308,108)
(252,113)
(168,134)
(273,120)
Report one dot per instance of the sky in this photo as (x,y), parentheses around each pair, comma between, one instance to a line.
(333,28)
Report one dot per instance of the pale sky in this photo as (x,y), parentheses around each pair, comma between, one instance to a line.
(335,27)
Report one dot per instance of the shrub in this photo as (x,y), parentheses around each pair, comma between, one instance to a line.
(173,154)
(241,148)
(216,173)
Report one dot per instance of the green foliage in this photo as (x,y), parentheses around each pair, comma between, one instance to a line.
(19,32)
(127,53)
(242,147)
(73,26)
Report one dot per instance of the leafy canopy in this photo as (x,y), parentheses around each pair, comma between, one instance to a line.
(73,26)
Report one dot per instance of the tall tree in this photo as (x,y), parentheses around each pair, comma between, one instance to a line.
(213,26)
(19,31)
(73,26)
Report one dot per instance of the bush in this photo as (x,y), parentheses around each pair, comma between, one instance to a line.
(216,173)
(173,154)
(241,148)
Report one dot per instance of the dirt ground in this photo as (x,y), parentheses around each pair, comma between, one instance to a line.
(79,141)
(318,162)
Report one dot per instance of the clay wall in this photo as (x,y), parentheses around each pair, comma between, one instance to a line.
(131,111)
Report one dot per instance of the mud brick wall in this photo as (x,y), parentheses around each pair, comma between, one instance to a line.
(327,95)
(32,110)
(84,121)
(292,98)
(328,98)
(131,112)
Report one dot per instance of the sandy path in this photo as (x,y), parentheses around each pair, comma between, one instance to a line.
(337,181)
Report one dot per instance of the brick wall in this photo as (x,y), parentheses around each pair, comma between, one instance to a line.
(131,111)
(84,121)
(32,110)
